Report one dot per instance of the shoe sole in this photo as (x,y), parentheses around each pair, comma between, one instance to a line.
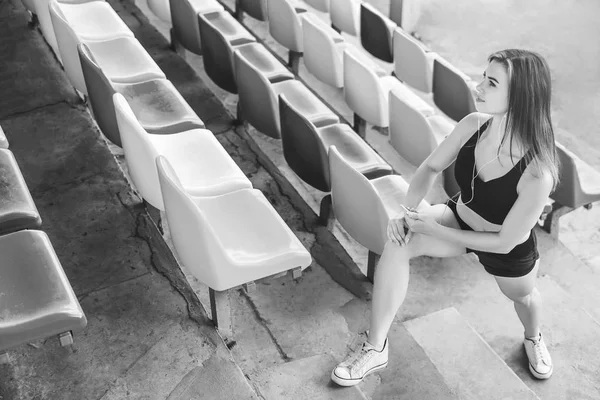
(541,376)
(352,382)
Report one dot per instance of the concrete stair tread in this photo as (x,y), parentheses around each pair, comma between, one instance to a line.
(468,364)
(305,378)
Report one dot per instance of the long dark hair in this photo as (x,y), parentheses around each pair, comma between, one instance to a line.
(528,116)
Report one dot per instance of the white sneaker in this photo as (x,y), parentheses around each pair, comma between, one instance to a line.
(360,364)
(540,362)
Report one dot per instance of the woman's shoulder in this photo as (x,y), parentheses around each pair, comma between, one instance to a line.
(470,124)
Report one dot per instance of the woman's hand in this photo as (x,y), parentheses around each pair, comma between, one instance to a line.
(421,223)
(398,230)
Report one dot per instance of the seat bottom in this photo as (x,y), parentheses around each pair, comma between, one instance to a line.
(305,102)
(159,107)
(37,298)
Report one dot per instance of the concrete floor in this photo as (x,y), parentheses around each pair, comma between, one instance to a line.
(149,336)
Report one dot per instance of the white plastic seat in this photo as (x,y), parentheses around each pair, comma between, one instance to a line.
(87,22)
(413,63)
(452,90)
(364,207)
(43,13)
(124,60)
(204,167)
(345,16)
(413,135)
(231,239)
(367,94)
(405,13)
(285,25)
(320,5)
(324,51)
(3,140)
(29,5)
(228,240)
(376,32)
(161,9)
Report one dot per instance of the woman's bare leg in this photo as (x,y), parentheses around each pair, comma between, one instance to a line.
(392,272)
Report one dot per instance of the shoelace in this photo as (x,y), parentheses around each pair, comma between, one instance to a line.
(539,354)
(359,359)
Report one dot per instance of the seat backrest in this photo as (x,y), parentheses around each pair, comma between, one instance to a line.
(412,64)
(356,204)
(321,57)
(345,15)
(321,5)
(216,53)
(303,149)
(257,9)
(30,5)
(140,153)
(67,42)
(451,93)
(405,13)
(195,241)
(376,32)
(568,185)
(185,25)
(161,9)
(362,90)
(257,100)
(284,25)
(100,92)
(410,133)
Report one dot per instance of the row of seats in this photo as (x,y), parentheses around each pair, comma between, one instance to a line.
(225,232)
(278,105)
(37,298)
(414,129)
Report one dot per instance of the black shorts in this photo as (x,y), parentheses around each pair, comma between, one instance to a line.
(519,262)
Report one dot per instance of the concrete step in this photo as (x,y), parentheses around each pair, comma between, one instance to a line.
(569,332)
(468,364)
(305,378)
(581,279)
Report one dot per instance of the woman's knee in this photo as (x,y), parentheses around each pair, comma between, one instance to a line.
(524,299)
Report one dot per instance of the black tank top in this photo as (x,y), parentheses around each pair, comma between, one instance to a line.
(493,199)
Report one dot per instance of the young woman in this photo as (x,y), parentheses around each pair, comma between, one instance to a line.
(506,167)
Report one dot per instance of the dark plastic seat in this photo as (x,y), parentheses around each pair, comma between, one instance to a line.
(305,148)
(3,140)
(257,9)
(37,298)
(17,209)
(258,93)
(184,15)
(579,186)
(451,91)
(376,32)
(156,102)
(221,34)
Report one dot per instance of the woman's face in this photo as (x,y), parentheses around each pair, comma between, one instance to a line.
(492,91)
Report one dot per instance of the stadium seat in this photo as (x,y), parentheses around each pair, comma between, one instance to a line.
(324,51)
(413,63)
(452,90)
(161,8)
(37,298)
(257,9)
(17,209)
(258,93)
(579,185)
(3,139)
(413,135)
(320,5)
(221,34)
(367,93)
(84,22)
(156,103)
(228,240)
(285,26)
(345,16)
(204,167)
(186,27)
(364,207)
(405,13)
(376,32)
